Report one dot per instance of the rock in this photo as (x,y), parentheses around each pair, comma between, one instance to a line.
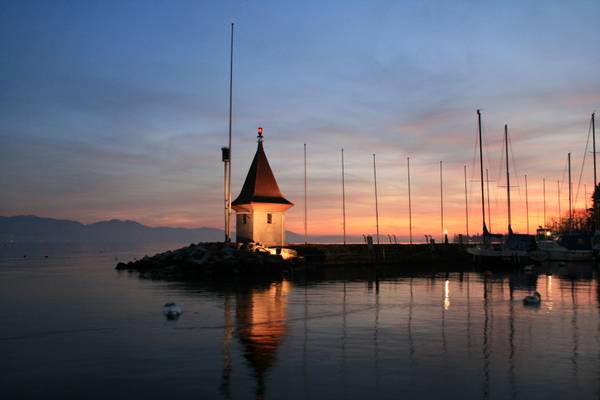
(210,260)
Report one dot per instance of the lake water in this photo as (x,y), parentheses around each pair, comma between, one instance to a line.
(73,327)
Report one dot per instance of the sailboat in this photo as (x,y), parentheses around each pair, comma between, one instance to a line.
(571,246)
(515,247)
(596,236)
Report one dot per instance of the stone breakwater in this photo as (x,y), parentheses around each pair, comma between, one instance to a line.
(227,260)
(211,260)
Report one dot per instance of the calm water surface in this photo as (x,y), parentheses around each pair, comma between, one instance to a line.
(73,327)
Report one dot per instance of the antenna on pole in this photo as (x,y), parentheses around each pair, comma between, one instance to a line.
(410,238)
(226,151)
(343,198)
(305,201)
(376,205)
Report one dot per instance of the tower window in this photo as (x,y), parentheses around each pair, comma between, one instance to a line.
(244,219)
(269,218)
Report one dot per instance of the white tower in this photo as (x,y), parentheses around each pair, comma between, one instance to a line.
(260,207)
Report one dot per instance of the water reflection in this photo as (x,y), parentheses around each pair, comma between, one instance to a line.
(261,326)
(353,333)
(374,335)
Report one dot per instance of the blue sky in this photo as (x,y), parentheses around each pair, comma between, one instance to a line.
(119,109)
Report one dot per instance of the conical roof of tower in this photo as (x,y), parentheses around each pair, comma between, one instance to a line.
(260,185)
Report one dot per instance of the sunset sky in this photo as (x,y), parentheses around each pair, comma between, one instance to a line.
(119,109)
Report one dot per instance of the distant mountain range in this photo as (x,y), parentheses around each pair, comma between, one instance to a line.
(33,229)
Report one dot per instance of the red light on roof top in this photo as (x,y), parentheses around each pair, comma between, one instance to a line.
(259,131)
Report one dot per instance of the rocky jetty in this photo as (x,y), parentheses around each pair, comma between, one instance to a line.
(208,260)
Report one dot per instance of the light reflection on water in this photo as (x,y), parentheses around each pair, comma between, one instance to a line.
(74,327)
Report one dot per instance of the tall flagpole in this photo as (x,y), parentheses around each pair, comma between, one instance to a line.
(305,201)
(410,238)
(376,205)
(466,203)
(343,197)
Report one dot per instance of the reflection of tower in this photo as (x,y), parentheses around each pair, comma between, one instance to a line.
(260,317)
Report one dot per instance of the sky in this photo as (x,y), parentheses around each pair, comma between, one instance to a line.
(119,109)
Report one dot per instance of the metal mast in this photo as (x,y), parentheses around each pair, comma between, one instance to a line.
(559,211)
(487,184)
(570,194)
(226,151)
(343,197)
(305,201)
(594,202)
(526,204)
(376,205)
(507,177)
(594,146)
(409,204)
(481,170)
(544,191)
(441,202)
(466,203)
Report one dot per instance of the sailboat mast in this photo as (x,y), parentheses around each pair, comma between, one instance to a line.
(594,147)
(487,185)
(376,202)
(507,177)
(305,201)
(526,204)
(570,195)
(559,210)
(466,203)
(594,203)
(441,202)
(343,197)
(544,191)
(481,170)
(409,204)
